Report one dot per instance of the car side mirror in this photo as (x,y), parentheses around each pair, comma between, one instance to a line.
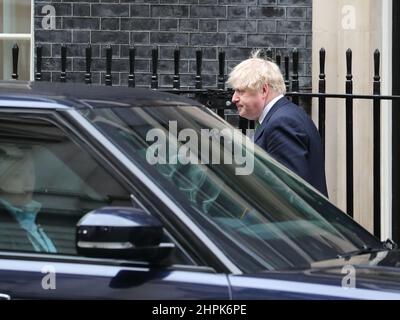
(121,233)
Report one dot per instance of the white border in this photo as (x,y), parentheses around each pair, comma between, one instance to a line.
(32,39)
(25,36)
(386,121)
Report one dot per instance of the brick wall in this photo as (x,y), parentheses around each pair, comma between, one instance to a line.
(235,26)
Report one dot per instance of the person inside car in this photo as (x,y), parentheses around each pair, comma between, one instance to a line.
(18,209)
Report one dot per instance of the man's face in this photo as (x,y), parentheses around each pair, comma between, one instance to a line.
(250,103)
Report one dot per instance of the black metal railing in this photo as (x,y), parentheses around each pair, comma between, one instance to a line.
(219,98)
(15,53)
(154,84)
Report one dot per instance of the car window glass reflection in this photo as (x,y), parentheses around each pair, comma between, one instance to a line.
(47,183)
(262,221)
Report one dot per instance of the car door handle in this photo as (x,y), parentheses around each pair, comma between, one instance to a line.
(4,297)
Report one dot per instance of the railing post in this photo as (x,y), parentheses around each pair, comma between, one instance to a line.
(108,80)
(269,54)
(243,124)
(349,135)
(221,78)
(199,64)
(38,74)
(176,82)
(131,77)
(287,81)
(63,75)
(377,145)
(88,74)
(278,60)
(154,77)
(295,82)
(221,68)
(322,100)
(15,53)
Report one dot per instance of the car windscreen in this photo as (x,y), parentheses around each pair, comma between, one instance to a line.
(255,210)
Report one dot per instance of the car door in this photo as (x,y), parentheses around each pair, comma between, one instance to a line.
(33,276)
(48,181)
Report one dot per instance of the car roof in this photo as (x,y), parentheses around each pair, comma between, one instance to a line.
(73,95)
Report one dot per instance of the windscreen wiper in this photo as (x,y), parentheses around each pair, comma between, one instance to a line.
(387,245)
(364,250)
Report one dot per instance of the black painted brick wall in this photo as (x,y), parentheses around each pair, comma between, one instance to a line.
(236,26)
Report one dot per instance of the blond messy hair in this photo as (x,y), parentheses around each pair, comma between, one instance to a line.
(256,71)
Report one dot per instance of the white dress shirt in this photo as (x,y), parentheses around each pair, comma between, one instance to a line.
(268,107)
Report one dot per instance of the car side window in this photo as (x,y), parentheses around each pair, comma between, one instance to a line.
(47,183)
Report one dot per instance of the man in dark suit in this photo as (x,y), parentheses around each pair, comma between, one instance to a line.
(285,131)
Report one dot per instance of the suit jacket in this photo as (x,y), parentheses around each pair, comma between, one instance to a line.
(289,135)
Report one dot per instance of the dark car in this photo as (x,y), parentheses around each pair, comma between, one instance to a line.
(117,193)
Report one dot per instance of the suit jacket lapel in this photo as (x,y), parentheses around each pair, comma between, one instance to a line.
(262,127)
